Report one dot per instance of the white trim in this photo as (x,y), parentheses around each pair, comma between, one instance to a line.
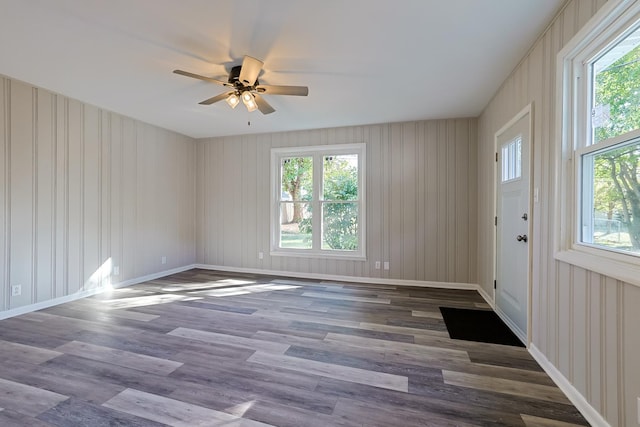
(602,30)
(623,271)
(374,280)
(522,335)
(579,401)
(339,278)
(487,297)
(526,110)
(317,151)
(87,293)
(153,276)
(297,253)
(525,336)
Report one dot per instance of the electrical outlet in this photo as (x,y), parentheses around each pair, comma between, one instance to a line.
(16,290)
(377,265)
(164,260)
(260,255)
(116,270)
(386,265)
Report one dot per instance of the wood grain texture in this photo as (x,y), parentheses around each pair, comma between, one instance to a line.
(27,400)
(273,358)
(173,412)
(141,362)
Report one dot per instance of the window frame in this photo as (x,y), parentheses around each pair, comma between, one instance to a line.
(573,132)
(318,152)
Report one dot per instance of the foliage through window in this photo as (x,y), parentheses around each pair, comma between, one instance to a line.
(319,201)
(610,169)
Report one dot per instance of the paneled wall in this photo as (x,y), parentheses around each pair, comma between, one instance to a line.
(421,200)
(84,193)
(585,324)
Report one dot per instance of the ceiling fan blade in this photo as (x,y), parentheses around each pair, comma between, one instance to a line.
(199,77)
(283,90)
(263,105)
(215,98)
(250,69)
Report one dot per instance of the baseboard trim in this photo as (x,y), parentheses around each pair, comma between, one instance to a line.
(87,293)
(340,278)
(579,401)
(522,336)
(49,303)
(153,276)
(329,277)
(487,297)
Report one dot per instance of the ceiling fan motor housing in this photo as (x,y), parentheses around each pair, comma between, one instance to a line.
(234,77)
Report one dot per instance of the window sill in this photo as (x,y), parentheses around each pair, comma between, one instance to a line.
(321,255)
(602,262)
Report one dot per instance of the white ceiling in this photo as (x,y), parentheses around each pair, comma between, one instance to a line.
(364,61)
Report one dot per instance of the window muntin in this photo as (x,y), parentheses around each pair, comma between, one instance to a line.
(320,206)
(609,176)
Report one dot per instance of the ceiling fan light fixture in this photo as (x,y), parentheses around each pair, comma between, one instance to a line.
(247,96)
(249,101)
(243,84)
(233,100)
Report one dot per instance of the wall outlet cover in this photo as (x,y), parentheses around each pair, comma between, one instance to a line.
(16,290)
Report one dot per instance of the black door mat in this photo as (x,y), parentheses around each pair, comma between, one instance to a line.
(478,325)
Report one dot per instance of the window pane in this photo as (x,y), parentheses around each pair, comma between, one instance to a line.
(297,174)
(512,160)
(340,177)
(295,225)
(616,90)
(611,197)
(340,226)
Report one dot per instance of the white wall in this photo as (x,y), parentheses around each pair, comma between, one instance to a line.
(584,323)
(80,186)
(421,200)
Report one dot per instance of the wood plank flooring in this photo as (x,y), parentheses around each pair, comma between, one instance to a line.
(206,348)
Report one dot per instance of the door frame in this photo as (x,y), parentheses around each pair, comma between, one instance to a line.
(496,170)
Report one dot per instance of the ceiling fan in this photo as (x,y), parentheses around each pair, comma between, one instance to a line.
(244,85)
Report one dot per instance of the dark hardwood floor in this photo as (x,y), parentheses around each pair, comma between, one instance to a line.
(205,348)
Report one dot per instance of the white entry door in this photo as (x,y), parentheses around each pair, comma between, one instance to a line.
(512,225)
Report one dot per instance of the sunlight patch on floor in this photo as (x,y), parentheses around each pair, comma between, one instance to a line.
(147,300)
(244,290)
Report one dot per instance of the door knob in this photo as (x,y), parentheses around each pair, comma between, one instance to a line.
(522,238)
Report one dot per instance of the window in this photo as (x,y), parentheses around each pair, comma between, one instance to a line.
(610,188)
(318,201)
(512,160)
(599,128)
